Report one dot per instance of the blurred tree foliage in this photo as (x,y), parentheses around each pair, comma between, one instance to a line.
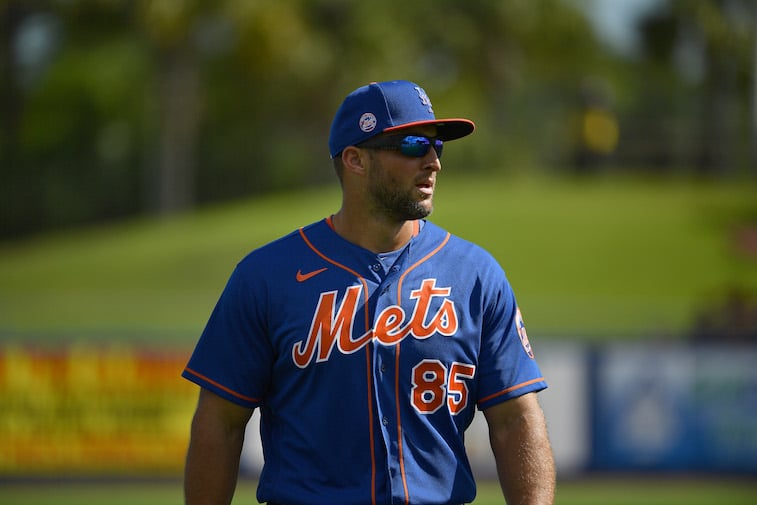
(114,108)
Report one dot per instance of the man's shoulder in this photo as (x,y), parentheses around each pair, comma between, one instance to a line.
(454,242)
(283,247)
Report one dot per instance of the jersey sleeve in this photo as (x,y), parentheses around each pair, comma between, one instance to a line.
(233,356)
(507,367)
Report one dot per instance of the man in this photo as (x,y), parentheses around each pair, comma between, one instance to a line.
(368,339)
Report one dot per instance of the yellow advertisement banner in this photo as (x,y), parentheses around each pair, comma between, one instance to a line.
(91,410)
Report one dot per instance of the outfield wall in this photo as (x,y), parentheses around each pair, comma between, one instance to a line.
(85,410)
(116,410)
(639,407)
(671,409)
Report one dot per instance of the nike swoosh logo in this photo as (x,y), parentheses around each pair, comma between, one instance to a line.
(303,277)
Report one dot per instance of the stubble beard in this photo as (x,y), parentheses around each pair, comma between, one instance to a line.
(399,206)
(395,204)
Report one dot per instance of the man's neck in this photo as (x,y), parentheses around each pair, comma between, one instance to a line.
(373,234)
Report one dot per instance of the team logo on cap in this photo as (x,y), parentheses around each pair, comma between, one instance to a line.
(425,100)
(367,122)
(522,333)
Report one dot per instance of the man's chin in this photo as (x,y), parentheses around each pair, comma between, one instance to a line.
(422,211)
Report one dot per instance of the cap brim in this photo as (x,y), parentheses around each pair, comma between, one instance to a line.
(446,129)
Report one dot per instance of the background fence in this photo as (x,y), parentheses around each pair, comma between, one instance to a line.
(121,411)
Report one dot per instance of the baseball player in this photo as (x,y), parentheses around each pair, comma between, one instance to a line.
(368,339)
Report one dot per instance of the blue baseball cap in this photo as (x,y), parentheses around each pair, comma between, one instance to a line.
(386,106)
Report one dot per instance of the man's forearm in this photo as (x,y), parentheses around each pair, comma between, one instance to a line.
(212,466)
(525,464)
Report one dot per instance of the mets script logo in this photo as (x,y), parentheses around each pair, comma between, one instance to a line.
(332,327)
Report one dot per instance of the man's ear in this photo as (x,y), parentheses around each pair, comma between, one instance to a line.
(353,160)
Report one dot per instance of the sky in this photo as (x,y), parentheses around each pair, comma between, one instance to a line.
(614,20)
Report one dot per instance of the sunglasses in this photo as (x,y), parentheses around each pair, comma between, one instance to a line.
(415,146)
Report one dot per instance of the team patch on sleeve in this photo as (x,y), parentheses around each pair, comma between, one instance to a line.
(522,333)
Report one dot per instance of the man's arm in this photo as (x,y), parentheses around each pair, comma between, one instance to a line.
(217,434)
(519,440)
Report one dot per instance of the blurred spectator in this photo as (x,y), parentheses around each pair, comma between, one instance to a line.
(732,319)
(597,129)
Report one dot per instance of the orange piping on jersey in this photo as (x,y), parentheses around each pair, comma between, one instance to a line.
(512,388)
(368,369)
(367,351)
(414,265)
(399,423)
(222,387)
(400,446)
(343,267)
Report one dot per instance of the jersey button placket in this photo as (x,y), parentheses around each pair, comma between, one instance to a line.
(385,374)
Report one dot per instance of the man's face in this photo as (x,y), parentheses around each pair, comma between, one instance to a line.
(400,187)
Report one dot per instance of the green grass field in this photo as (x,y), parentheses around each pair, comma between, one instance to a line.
(583,492)
(606,258)
(612,257)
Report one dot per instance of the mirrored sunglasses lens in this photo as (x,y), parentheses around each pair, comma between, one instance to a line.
(415,146)
(418,146)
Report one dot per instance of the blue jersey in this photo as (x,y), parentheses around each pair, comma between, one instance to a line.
(366,375)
